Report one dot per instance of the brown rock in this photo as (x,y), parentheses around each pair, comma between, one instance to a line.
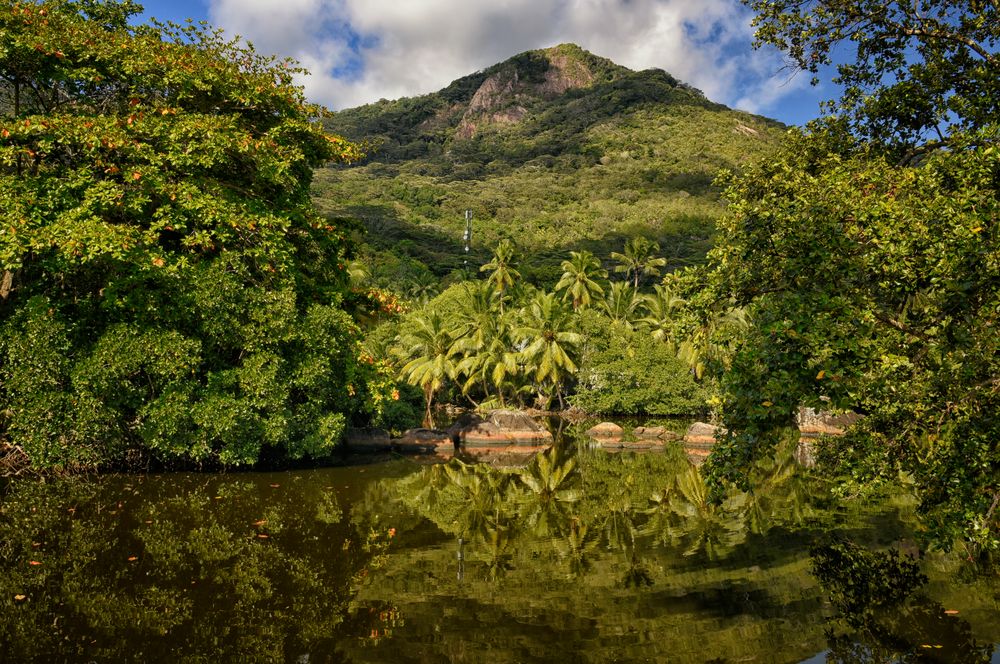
(606,430)
(501,427)
(814,422)
(701,433)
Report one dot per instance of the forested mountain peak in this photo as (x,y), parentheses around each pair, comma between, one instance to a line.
(556,149)
(537,89)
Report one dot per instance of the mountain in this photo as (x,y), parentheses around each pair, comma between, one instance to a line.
(556,149)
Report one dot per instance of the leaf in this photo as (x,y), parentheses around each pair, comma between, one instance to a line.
(20,598)
(34,562)
(820,375)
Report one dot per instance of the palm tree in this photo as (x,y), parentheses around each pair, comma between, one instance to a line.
(661,311)
(621,303)
(714,340)
(550,341)
(639,259)
(428,347)
(503,269)
(581,278)
(484,341)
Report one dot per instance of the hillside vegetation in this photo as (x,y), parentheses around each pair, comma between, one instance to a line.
(555,149)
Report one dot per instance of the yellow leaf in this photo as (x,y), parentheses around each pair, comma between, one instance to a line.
(977,229)
(766,404)
(820,375)
(20,598)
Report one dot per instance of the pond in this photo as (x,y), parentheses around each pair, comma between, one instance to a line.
(573,555)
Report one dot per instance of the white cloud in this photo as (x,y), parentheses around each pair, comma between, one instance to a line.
(410,47)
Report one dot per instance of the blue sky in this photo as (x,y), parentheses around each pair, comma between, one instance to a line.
(359,51)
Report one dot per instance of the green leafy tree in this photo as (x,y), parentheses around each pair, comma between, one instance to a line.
(429,349)
(582,279)
(551,341)
(639,259)
(166,283)
(872,275)
(917,74)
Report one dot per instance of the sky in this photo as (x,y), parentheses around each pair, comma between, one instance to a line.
(360,51)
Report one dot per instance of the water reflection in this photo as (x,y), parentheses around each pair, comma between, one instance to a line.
(143,569)
(578,555)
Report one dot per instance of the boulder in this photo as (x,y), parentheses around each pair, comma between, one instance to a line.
(513,420)
(501,427)
(814,422)
(701,433)
(606,430)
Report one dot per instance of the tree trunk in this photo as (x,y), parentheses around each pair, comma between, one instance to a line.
(6,284)
(428,398)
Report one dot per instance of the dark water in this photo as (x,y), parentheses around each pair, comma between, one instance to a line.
(576,556)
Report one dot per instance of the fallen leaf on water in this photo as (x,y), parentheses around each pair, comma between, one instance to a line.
(20,598)
(34,562)
(131,558)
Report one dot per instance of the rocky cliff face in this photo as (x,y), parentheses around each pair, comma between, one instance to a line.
(504,96)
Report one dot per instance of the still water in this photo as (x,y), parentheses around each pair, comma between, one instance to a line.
(574,555)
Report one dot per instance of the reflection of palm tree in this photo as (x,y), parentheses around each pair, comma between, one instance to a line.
(781,490)
(703,525)
(551,481)
(429,349)
(547,329)
(581,278)
(639,259)
(482,491)
(578,541)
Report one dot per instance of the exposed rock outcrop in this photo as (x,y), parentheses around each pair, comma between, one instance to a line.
(501,427)
(702,433)
(606,430)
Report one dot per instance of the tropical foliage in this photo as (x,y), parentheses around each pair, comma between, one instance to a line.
(869,256)
(167,287)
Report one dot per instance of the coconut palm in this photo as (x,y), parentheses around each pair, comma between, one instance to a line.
(622,302)
(502,269)
(428,349)
(582,278)
(551,342)
(639,259)
(662,307)
(713,341)
(485,343)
